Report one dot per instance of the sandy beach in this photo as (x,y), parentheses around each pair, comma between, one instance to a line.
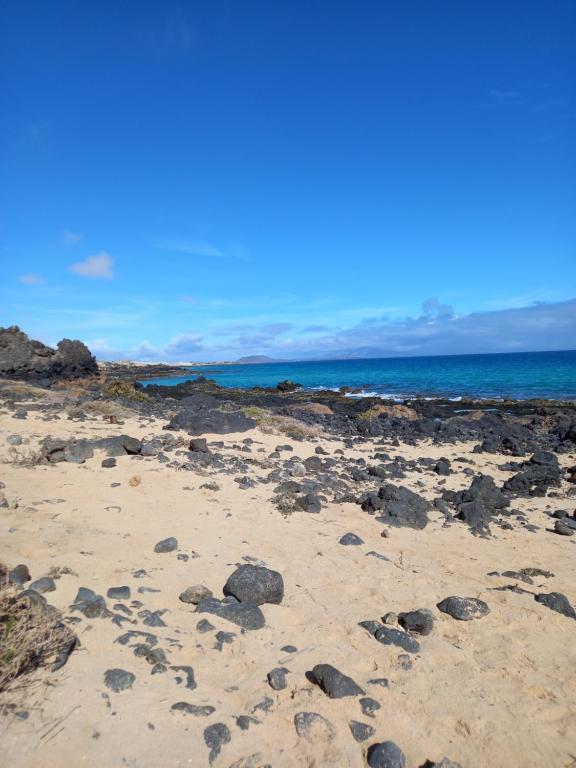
(495,691)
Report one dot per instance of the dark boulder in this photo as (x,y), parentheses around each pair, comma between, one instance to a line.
(28,360)
(256,585)
(556,601)
(398,505)
(386,755)
(334,683)
(463,608)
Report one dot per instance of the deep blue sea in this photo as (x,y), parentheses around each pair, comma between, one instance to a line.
(521,375)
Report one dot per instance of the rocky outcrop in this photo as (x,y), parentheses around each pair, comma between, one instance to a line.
(25,359)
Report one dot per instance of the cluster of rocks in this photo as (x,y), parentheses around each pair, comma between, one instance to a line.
(25,359)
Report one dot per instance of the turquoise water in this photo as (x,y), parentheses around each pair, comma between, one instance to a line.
(519,375)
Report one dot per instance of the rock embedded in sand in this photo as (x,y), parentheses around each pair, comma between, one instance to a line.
(118,680)
(193,709)
(397,505)
(562,529)
(463,608)
(215,736)
(245,615)
(368,705)
(313,727)
(444,763)
(334,683)
(19,575)
(45,584)
(418,622)
(386,755)
(310,503)
(360,731)
(350,540)
(118,593)
(256,585)
(391,636)
(277,678)
(166,545)
(193,595)
(556,601)
(245,721)
(90,604)
(109,463)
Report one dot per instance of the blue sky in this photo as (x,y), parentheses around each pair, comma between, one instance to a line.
(195,181)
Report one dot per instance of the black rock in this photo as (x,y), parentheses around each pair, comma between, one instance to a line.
(463,608)
(442,467)
(45,584)
(398,505)
(118,593)
(19,575)
(386,755)
(28,360)
(351,539)
(198,445)
(245,721)
(256,585)
(310,503)
(360,731)
(419,622)
(289,648)
(193,709)
(245,615)
(131,445)
(558,602)
(166,545)
(369,706)
(392,636)
(277,678)
(334,683)
(89,603)
(109,463)
(563,529)
(199,422)
(205,626)
(215,736)
(118,679)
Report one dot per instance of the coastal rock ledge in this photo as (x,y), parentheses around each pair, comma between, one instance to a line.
(28,360)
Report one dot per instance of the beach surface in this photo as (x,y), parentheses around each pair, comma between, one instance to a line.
(498,690)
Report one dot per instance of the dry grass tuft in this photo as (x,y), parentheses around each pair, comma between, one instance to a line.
(396,411)
(31,635)
(10,388)
(274,424)
(120,388)
(27,458)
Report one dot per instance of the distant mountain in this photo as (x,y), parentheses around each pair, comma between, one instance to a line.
(256,359)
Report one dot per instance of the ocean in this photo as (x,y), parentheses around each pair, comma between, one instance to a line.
(520,375)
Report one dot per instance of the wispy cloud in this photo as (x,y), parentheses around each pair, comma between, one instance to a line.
(71,238)
(202,248)
(31,278)
(97,266)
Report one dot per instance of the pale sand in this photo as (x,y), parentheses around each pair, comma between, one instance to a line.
(500,691)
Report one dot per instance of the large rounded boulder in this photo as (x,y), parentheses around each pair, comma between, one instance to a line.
(255,584)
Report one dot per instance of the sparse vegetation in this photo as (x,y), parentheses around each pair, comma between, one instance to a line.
(31,634)
(273,423)
(120,388)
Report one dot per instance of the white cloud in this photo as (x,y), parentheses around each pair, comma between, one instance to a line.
(71,238)
(31,278)
(97,266)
